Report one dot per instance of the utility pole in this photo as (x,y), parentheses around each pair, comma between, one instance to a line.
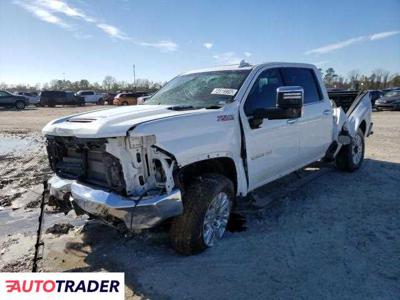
(134,76)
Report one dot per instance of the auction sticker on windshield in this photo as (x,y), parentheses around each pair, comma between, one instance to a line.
(62,286)
(225,92)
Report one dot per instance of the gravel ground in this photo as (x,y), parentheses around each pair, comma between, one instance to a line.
(336,237)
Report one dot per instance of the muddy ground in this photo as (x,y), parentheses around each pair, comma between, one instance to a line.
(336,237)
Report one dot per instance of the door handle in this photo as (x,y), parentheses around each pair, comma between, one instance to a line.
(291,121)
(327,112)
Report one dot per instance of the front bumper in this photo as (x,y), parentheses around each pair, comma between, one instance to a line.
(135,212)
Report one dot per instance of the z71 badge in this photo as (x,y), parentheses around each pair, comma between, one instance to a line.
(223,118)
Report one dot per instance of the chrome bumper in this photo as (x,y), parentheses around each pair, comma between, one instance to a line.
(136,213)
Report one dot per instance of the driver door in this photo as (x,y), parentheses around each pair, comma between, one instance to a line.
(273,148)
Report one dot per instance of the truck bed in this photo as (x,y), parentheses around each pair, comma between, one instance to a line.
(343,99)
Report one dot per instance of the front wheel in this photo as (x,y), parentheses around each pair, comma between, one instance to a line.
(208,203)
(351,156)
(20,105)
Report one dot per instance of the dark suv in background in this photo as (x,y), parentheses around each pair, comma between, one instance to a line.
(9,100)
(53,98)
(390,100)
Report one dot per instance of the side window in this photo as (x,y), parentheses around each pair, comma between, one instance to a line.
(263,92)
(304,78)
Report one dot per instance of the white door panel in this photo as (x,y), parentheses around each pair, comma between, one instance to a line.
(271,149)
(315,127)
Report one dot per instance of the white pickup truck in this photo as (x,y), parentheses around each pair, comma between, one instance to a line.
(199,145)
(92,97)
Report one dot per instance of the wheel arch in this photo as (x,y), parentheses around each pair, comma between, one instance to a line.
(220,165)
(363,127)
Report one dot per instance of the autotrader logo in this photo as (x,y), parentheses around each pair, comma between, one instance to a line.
(62,286)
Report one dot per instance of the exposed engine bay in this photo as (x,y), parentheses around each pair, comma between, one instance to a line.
(130,165)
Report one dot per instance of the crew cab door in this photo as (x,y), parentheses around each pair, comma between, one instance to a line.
(272,149)
(315,125)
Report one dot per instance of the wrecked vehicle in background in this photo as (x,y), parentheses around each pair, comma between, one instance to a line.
(199,145)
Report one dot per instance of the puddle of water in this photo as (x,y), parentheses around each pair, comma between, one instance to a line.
(16,145)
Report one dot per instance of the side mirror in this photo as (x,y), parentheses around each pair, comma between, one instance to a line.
(290,97)
(289,105)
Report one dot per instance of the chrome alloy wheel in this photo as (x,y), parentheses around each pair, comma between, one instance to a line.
(356,149)
(216,219)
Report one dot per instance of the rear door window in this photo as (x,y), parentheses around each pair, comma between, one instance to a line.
(306,79)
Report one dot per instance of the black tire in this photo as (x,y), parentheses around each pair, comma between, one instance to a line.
(100,102)
(20,105)
(186,232)
(125,103)
(347,158)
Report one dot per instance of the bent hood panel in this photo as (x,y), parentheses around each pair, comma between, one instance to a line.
(108,122)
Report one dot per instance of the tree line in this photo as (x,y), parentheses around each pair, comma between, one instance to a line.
(109,84)
(378,79)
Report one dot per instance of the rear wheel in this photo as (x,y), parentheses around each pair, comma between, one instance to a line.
(207,206)
(100,102)
(20,105)
(350,157)
(125,103)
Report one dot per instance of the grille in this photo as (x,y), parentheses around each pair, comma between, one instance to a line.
(85,160)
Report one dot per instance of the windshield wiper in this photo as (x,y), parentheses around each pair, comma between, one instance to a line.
(181,107)
(213,107)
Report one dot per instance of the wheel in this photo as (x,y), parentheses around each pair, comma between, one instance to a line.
(100,102)
(208,203)
(351,156)
(20,105)
(124,103)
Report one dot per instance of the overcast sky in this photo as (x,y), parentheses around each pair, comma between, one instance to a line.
(47,39)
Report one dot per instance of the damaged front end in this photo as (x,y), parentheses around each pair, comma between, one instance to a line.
(124,178)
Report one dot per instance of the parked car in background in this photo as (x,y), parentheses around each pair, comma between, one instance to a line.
(10,100)
(390,89)
(128,98)
(32,97)
(53,98)
(143,99)
(375,95)
(390,100)
(91,97)
(109,98)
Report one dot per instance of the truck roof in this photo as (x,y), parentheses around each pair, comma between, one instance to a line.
(246,66)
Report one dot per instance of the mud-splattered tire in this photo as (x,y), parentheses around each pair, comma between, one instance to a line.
(351,156)
(189,233)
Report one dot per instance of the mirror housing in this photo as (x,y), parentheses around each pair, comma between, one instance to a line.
(290,97)
(289,105)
